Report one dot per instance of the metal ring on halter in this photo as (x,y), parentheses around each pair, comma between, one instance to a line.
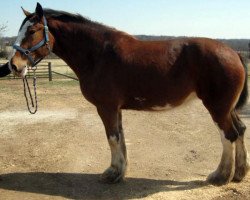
(27,52)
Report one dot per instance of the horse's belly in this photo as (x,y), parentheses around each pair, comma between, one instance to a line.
(162,108)
(139,103)
(181,102)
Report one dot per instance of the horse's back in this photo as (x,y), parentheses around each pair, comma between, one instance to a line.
(160,73)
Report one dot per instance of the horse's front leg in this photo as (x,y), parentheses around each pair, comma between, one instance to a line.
(113,125)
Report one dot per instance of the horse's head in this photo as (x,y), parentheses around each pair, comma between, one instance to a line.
(34,42)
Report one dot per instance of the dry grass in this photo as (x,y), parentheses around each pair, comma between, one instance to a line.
(60,152)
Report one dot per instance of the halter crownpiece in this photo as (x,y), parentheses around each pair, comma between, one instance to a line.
(44,41)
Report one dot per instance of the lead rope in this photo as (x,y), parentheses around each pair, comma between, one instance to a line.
(26,84)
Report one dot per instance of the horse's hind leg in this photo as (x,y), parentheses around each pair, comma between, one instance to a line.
(113,125)
(241,160)
(225,171)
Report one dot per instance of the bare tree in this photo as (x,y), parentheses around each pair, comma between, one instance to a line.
(3,28)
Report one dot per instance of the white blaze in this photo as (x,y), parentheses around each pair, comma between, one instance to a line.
(22,32)
(20,37)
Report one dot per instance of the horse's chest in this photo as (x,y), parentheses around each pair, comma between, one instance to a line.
(98,92)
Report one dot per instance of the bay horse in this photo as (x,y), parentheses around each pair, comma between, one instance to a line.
(117,71)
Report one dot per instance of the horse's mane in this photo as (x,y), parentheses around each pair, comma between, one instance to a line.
(77,18)
(62,16)
(65,16)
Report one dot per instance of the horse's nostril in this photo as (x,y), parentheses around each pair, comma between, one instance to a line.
(14,67)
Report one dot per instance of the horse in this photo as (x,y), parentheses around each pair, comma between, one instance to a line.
(117,71)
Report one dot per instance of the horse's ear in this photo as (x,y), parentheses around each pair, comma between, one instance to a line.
(39,10)
(27,13)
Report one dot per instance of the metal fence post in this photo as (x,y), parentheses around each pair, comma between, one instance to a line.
(50,71)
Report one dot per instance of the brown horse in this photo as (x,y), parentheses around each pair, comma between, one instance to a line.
(116,71)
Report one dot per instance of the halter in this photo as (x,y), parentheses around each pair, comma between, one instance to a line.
(44,41)
(27,53)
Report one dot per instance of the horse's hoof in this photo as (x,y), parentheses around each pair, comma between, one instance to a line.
(218,179)
(111,175)
(240,173)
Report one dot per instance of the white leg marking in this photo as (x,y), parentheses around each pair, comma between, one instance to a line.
(117,169)
(242,159)
(225,171)
(228,155)
(118,161)
(241,151)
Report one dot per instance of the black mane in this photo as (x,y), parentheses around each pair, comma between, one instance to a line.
(76,18)
(66,16)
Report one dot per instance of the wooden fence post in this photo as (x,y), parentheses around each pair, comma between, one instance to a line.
(50,71)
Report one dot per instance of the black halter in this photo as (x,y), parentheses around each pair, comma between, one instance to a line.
(43,42)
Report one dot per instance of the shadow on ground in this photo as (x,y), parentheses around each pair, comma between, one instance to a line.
(86,186)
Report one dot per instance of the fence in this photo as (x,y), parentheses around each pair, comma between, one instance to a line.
(53,70)
(49,71)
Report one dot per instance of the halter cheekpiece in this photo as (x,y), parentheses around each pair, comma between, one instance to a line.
(44,41)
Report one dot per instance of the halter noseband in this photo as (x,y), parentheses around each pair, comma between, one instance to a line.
(43,42)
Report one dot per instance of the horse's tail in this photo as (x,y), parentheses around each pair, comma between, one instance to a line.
(244,94)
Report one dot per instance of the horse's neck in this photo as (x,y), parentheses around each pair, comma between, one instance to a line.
(76,45)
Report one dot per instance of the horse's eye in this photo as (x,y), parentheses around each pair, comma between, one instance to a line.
(31,32)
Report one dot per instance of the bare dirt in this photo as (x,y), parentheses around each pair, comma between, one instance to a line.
(60,152)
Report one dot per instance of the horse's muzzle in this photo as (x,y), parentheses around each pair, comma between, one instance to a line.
(17,71)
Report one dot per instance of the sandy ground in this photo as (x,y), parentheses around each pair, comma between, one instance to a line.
(60,152)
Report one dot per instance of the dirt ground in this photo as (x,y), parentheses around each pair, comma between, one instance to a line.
(60,152)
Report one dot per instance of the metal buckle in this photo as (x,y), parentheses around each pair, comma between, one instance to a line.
(26,52)
(46,29)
